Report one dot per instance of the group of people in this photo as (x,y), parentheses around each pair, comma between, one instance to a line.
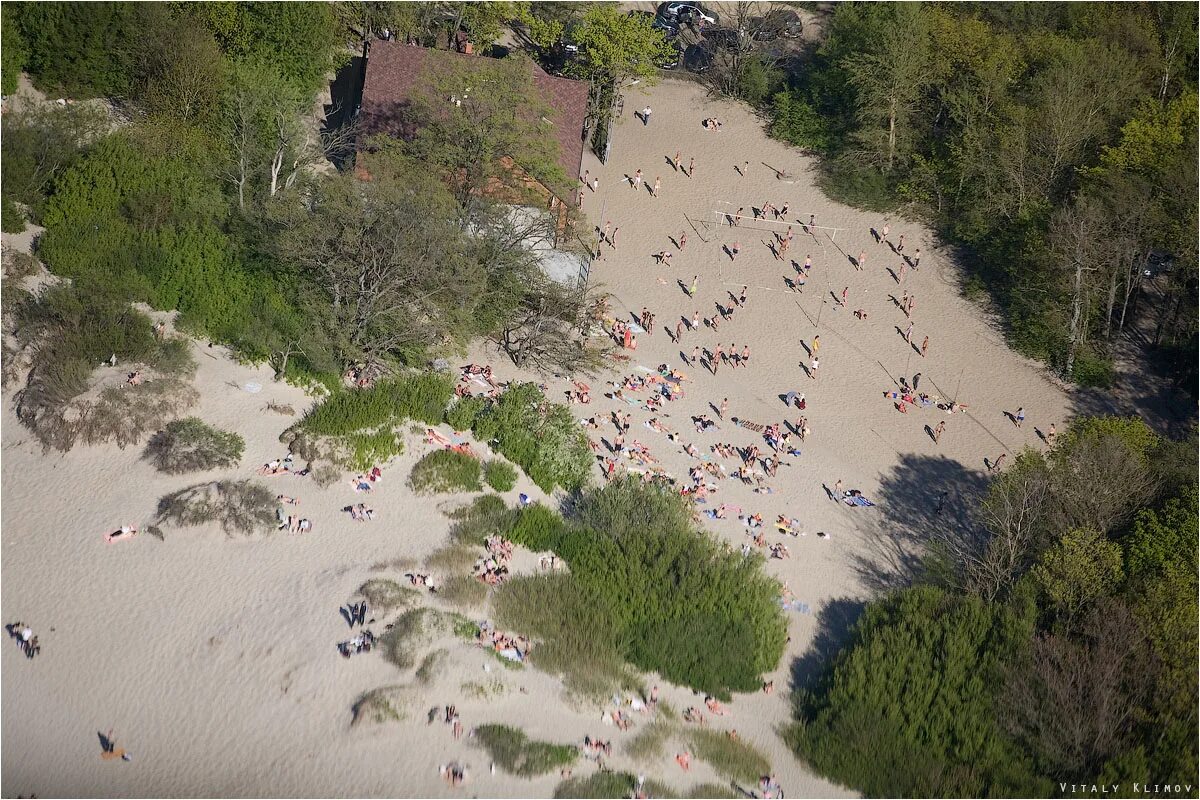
(359,644)
(492,569)
(24,637)
(511,646)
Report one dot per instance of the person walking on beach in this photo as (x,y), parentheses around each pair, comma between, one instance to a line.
(900,246)
(637,180)
(900,274)
(745,356)
(815,347)
(595,184)
(998,462)
(938,430)
(884,233)
(845,296)
(812,222)
(646,112)
(908,306)
(724,409)
(682,240)
(916,261)
(733,251)
(924,346)
(676,160)
(807,264)
(691,167)
(607,230)
(695,355)
(657,186)
(694,286)
(743,169)
(696,321)
(741,301)
(782,212)
(908,333)
(837,490)
(813,365)
(587,177)
(1020,417)
(861,261)
(1051,435)
(678,330)
(737,217)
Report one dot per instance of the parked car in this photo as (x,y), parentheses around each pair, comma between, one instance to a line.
(698,57)
(686,13)
(779,23)
(727,38)
(669,29)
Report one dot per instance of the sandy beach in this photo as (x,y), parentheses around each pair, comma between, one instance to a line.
(213,659)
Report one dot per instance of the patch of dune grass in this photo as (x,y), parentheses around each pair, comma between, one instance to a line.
(385,596)
(517,754)
(487,516)
(385,704)
(464,591)
(609,784)
(454,559)
(445,471)
(432,664)
(650,742)
(411,633)
(731,758)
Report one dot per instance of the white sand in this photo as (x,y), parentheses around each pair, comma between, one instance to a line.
(213,658)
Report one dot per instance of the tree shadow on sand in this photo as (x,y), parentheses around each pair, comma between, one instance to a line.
(923,499)
(834,623)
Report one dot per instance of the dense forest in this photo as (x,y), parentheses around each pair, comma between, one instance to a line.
(1050,635)
(200,183)
(1052,144)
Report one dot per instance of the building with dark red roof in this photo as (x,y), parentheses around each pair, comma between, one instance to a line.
(397,73)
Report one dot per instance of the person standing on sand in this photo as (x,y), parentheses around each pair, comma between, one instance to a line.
(587,177)
(816,344)
(884,233)
(1051,435)
(812,367)
(837,490)
(812,222)
(695,355)
(745,356)
(676,160)
(741,301)
(938,430)
(807,264)
(657,186)
(916,262)
(607,230)
(682,240)
(693,287)
(845,296)
(637,180)
(1020,417)
(908,333)
(737,217)
(646,112)
(903,269)
(733,252)
(724,409)
(861,260)
(595,184)
(691,167)
(998,463)
(924,346)
(908,307)
(678,330)
(696,321)
(900,247)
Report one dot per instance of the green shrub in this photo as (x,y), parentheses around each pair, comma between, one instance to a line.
(445,471)
(672,598)
(939,736)
(516,754)
(537,528)
(14,51)
(11,218)
(462,415)
(421,396)
(649,743)
(452,559)
(729,758)
(798,123)
(599,784)
(487,516)
(243,507)
(189,445)
(500,475)
(542,438)
(1093,371)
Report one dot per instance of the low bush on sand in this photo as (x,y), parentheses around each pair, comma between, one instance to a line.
(615,785)
(730,758)
(190,445)
(384,596)
(673,599)
(239,507)
(537,528)
(462,415)
(486,516)
(66,333)
(518,755)
(500,475)
(412,632)
(453,559)
(445,471)
(422,396)
(381,705)
(649,743)
(431,665)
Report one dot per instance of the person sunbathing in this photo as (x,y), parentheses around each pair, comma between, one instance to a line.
(121,534)
(134,378)
(714,706)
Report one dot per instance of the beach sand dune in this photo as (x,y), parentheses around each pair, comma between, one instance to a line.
(213,658)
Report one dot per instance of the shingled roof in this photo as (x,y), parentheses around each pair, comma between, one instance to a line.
(396,73)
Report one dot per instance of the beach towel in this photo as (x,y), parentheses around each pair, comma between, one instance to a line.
(523,499)
(512,654)
(858,500)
